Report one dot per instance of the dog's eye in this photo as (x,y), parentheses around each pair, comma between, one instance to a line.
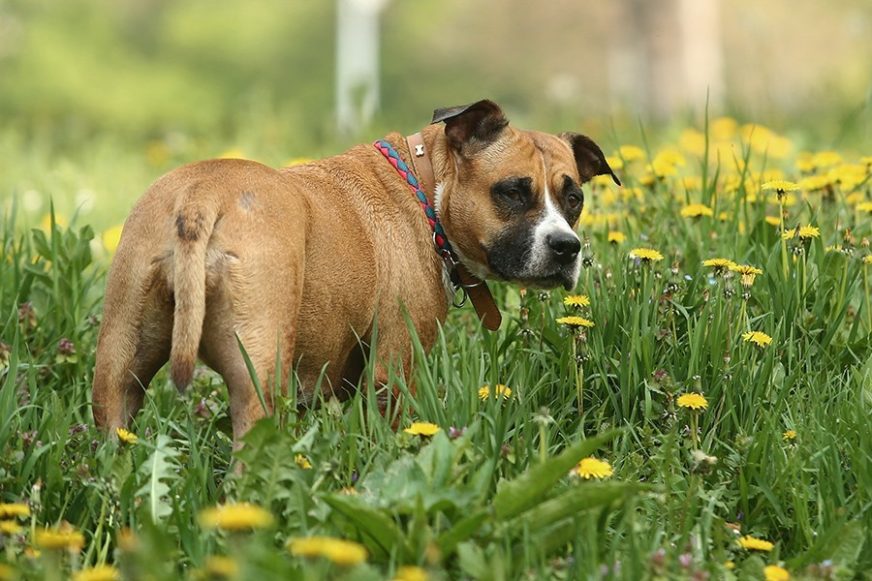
(514,195)
(574,200)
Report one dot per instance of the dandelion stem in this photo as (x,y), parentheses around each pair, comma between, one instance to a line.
(579,375)
(868,300)
(781,233)
(694,419)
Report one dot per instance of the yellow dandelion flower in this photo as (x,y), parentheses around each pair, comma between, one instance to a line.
(719,264)
(773,220)
(670,156)
(232,153)
(64,537)
(804,162)
(111,237)
(221,566)
(692,183)
(749,273)
(814,183)
(775,573)
(864,207)
(746,269)
(615,162)
(729,565)
(754,544)
(297,161)
(10,527)
(126,437)
(576,301)
(696,211)
(422,429)
(98,573)
(241,516)
(645,255)
(602,180)
(789,435)
(631,152)
(662,169)
(616,237)
(692,141)
(60,220)
(693,401)
(302,462)
(826,159)
(723,128)
(593,468)
(14,510)
(867,259)
(780,186)
(758,338)
(789,234)
(575,322)
(338,551)
(410,573)
(500,391)
(809,232)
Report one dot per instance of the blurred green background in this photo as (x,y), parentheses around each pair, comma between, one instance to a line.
(99,97)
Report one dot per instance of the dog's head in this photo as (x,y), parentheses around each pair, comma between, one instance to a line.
(510,199)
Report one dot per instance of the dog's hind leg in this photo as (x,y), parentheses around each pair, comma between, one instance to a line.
(257,301)
(134,344)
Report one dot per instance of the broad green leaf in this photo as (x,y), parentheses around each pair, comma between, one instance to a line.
(372,523)
(461,531)
(578,498)
(522,493)
(472,561)
(841,544)
(158,469)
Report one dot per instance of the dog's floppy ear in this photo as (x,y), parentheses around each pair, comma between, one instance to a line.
(476,124)
(589,157)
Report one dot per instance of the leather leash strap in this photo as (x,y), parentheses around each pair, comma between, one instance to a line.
(477,289)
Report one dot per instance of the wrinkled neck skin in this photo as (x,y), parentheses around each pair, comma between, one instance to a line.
(445,170)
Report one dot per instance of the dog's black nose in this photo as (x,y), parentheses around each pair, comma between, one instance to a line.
(564,246)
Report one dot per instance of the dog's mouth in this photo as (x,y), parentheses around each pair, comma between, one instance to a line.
(551,281)
(567,277)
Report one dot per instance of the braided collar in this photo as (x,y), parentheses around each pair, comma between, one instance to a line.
(461,279)
(443,247)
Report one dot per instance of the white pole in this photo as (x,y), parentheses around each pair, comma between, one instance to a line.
(357,62)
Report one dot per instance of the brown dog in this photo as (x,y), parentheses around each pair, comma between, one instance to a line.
(301,261)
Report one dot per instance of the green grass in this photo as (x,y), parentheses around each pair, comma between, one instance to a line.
(490,495)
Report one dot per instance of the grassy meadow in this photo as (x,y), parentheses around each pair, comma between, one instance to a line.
(675,417)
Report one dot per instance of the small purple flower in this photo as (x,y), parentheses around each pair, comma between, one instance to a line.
(78,429)
(454,433)
(686,560)
(27,314)
(66,347)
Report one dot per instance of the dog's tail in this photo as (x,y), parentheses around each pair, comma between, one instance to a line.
(195,220)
